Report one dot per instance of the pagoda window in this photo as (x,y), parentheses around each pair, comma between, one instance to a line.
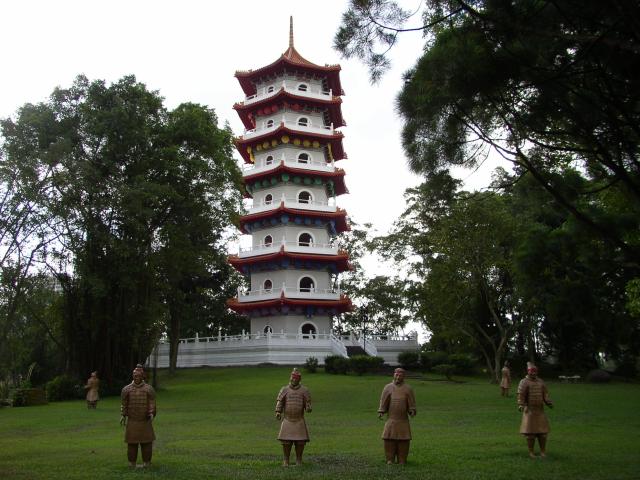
(305,197)
(303,158)
(267,286)
(271,89)
(307,284)
(305,240)
(303,87)
(269,159)
(303,122)
(268,241)
(269,123)
(268,199)
(267,329)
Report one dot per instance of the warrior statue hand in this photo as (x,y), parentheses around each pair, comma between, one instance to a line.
(278,415)
(308,409)
(550,404)
(380,416)
(123,420)
(412,413)
(520,408)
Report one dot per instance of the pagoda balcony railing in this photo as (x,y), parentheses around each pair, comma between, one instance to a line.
(289,292)
(323,95)
(257,132)
(314,165)
(295,203)
(293,247)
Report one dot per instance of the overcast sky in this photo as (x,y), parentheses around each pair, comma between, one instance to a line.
(188,50)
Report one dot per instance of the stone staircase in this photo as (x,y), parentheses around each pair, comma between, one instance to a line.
(355,350)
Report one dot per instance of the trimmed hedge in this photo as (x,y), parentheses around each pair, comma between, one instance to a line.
(336,364)
(409,360)
(63,387)
(364,364)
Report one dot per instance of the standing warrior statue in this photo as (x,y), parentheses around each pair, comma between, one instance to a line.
(532,397)
(399,402)
(138,410)
(505,384)
(293,401)
(92,387)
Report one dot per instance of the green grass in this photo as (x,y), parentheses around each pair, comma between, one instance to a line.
(219,423)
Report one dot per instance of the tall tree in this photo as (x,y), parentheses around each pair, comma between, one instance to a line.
(132,190)
(460,251)
(546,84)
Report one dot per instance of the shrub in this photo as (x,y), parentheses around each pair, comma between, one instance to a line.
(445,369)
(311,365)
(462,362)
(598,376)
(364,363)
(429,360)
(409,360)
(336,364)
(62,387)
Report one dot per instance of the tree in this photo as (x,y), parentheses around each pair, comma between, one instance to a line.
(460,251)
(133,212)
(546,84)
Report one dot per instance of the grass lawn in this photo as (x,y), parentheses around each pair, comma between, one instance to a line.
(219,423)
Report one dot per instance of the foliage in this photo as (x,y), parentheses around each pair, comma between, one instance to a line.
(62,387)
(445,369)
(462,363)
(429,360)
(311,365)
(128,205)
(549,87)
(336,364)
(361,364)
(598,376)
(409,360)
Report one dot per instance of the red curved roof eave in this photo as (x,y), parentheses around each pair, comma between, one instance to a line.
(249,78)
(342,305)
(337,175)
(340,216)
(335,140)
(333,104)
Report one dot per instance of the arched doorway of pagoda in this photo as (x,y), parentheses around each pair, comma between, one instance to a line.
(306,284)
(268,160)
(268,199)
(305,197)
(303,122)
(269,123)
(308,330)
(303,87)
(267,286)
(268,241)
(267,329)
(305,239)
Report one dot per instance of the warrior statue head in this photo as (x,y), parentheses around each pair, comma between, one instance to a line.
(398,376)
(294,380)
(532,370)
(138,374)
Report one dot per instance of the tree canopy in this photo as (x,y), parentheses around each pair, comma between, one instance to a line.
(126,206)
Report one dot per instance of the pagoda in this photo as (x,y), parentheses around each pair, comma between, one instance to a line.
(290,146)
(291,113)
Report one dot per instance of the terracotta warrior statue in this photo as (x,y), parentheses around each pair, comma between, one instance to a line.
(92,387)
(292,402)
(138,410)
(532,397)
(399,402)
(505,383)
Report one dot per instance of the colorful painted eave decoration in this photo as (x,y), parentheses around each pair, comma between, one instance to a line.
(285,135)
(246,112)
(289,305)
(336,221)
(337,176)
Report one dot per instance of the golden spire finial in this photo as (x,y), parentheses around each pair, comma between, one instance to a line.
(291,31)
